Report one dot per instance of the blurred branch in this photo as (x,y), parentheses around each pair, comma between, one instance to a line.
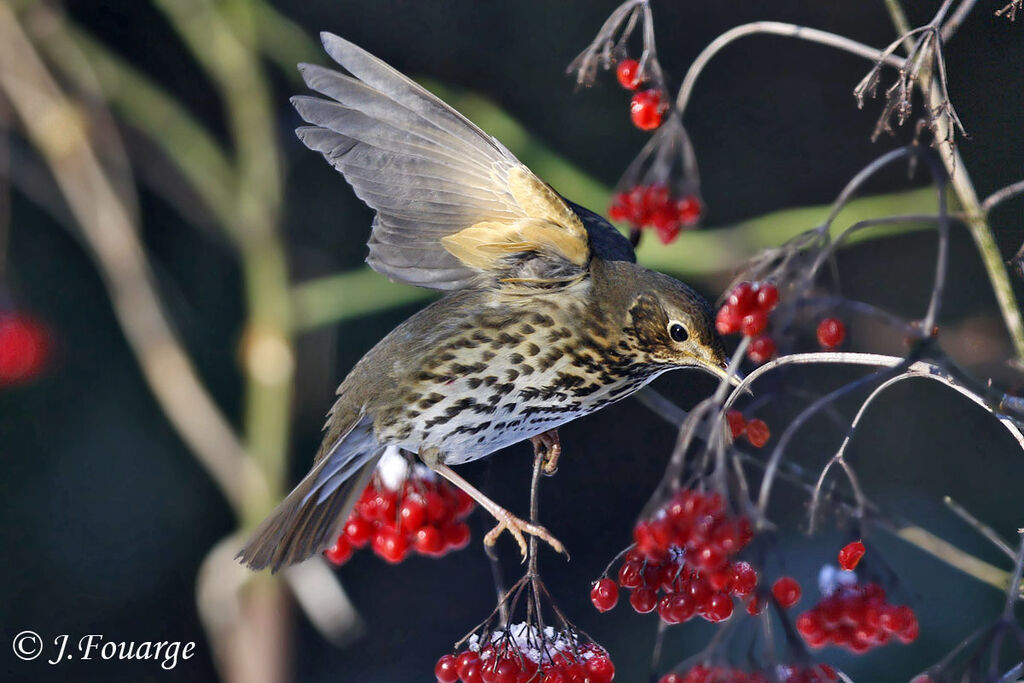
(141,104)
(245,205)
(284,42)
(54,125)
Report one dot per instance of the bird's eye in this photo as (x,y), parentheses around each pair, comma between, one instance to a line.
(678,332)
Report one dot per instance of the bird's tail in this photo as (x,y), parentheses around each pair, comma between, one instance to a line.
(309,520)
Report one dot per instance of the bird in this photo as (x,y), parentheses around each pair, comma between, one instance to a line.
(546,316)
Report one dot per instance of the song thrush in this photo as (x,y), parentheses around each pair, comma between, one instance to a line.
(547,318)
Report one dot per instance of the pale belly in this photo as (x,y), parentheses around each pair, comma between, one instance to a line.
(470,418)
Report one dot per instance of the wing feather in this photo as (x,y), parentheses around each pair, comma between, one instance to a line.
(454,206)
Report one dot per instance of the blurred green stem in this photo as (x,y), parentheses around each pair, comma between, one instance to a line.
(225,51)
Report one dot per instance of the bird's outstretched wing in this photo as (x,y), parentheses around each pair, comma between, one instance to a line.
(454,207)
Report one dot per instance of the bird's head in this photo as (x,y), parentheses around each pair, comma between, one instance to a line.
(668,323)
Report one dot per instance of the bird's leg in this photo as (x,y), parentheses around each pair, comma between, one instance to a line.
(431,457)
(550,445)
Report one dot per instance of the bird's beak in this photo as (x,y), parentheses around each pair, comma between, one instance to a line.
(721,370)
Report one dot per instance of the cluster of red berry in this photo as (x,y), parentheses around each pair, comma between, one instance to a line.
(858,618)
(654,206)
(684,552)
(821,673)
(756,430)
(746,310)
(415,511)
(522,654)
(24,348)
(648,106)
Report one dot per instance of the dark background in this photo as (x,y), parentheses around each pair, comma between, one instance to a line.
(106,516)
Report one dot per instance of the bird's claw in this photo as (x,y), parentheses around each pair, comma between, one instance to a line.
(550,446)
(517,527)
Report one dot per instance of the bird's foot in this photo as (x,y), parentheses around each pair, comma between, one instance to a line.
(518,527)
(550,446)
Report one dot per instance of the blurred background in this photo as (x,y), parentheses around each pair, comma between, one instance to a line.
(191,285)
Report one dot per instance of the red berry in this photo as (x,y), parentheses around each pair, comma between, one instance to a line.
(436,509)
(604,594)
(465,659)
(619,210)
(381,507)
(446,670)
(504,670)
(628,73)
(737,424)
(464,504)
(753,323)
(358,530)
(643,600)
(718,607)
(412,514)
(786,591)
(727,321)
(473,673)
(710,558)
(428,541)
(689,210)
(456,535)
(831,332)
(646,109)
(340,552)
(742,298)
(599,669)
(721,580)
(744,579)
(631,575)
(767,296)
(667,231)
(758,432)
(24,348)
(850,555)
(761,349)
(390,545)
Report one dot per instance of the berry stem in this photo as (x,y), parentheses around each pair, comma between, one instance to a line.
(538,469)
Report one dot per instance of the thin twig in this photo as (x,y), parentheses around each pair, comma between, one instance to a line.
(1002,195)
(777,28)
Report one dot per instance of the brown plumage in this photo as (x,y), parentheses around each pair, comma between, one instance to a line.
(548,317)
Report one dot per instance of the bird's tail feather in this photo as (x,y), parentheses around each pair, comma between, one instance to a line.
(310,518)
